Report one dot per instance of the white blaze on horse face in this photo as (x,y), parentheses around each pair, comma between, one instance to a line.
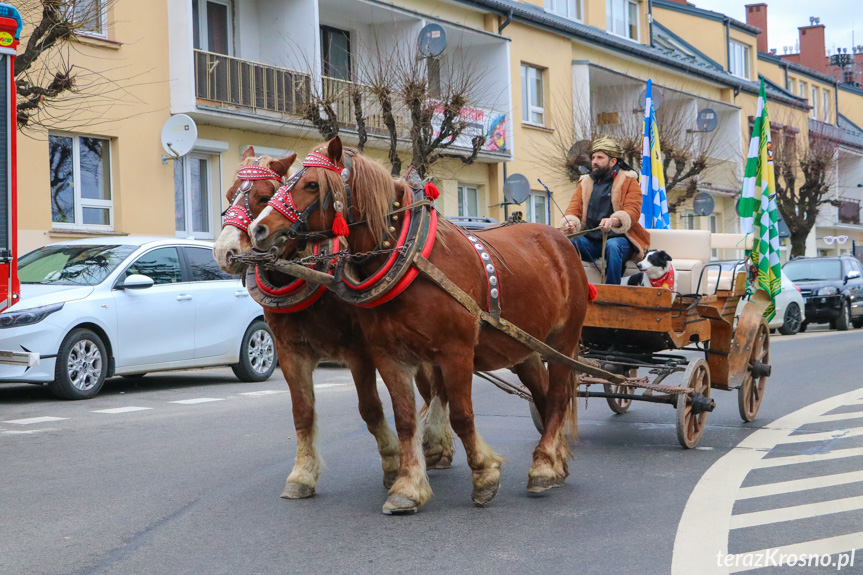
(263,215)
(228,242)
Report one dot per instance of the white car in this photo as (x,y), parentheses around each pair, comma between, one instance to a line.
(790,308)
(95,308)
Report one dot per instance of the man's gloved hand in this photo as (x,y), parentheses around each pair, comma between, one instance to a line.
(568,224)
(605,224)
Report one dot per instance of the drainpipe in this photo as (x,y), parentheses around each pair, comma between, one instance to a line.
(727,22)
(649,22)
(505,22)
(836,98)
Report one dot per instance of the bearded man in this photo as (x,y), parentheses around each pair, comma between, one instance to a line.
(609,198)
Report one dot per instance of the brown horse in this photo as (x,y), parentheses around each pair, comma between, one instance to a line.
(542,285)
(305,337)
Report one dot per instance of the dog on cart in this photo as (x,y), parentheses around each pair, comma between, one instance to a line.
(655,270)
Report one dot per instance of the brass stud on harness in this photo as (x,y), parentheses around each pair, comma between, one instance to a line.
(395,217)
(396,205)
(391,230)
(386,243)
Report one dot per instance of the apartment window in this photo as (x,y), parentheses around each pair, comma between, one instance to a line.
(738,59)
(91,17)
(567,8)
(713,226)
(688,221)
(80,169)
(622,18)
(192,196)
(802,89)
(825,106)
(537,208)
(814,103)
(532,95)
(789,85)
(213,29)
(336,56)
(468,201)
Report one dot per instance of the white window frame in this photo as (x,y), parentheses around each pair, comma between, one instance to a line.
(713,227)
(825,106)
(802,89)
(103,17)
(81,202)
(530,208)
(202,24)
(528,106)
(463,199)
(609,18)
(569,9)
(688,221)
(814,102)
(738,61)
(187,197)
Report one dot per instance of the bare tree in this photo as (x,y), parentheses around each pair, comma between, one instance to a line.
(43,70)
(805,169)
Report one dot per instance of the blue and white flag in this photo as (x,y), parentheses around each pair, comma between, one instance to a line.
(654,202)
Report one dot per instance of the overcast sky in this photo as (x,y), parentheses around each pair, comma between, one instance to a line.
(841,17)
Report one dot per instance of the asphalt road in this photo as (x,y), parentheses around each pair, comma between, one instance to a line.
(193,487)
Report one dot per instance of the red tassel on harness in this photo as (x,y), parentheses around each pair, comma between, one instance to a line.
(431,191)
(340,226)
(591,292)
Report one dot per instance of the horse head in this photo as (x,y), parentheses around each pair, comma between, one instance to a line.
(247,198)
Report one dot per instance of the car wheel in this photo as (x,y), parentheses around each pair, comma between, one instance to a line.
(82,365)
(844,320)
(793,320)
(257,354)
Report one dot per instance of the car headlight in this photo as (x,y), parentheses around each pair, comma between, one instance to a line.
(829,290)
(17,318)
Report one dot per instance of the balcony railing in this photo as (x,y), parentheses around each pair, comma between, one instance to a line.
(849,212)
(340,94)
(231,81)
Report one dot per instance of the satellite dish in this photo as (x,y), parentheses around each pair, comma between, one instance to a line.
(703,204)
(656,94)
(179,135)
(432,40)
(516,189)
(707,120)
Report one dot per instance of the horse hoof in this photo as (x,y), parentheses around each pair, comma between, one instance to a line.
(297,491)
(390,478)
(483,497)
(443,462)
(399,505)
(540,484)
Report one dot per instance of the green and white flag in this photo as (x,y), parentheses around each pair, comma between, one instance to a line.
(757,208)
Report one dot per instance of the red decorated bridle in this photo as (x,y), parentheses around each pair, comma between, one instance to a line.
(240,216)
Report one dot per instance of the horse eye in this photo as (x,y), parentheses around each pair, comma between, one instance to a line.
(264,199)
(312,186)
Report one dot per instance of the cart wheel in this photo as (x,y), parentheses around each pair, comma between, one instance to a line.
(751,392)
(537,419)
(690,424)
(620,406)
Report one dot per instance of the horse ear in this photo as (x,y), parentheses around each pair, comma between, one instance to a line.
(334,149)
(249,153)
(282,166)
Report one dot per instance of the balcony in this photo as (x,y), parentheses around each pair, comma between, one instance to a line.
(229,82)
(849,212)
(341,94)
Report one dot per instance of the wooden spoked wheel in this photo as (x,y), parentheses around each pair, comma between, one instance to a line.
(618,405)
(690,424)
(751,392)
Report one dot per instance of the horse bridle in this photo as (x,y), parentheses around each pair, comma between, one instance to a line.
(241,216)
(283,201)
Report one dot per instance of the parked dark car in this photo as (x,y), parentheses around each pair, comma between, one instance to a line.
(472,222)
(832,288)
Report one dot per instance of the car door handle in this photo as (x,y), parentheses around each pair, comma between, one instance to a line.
(183,297)
(241,293)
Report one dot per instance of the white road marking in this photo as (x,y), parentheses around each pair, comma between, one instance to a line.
(264,392)
(703,528)
(795,512)
(800,485)
(824,435)
(121,409)
(810,457)
(840,416)
(198,400)
(326,385)
(826,546)
(28,431)
(32,420)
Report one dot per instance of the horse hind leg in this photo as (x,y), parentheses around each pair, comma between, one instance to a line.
(484,462)
(411,489)
(297,368)
(437,434)
(550,467)
(372,412)
(534,375)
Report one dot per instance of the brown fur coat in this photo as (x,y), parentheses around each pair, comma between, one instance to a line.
(626,203)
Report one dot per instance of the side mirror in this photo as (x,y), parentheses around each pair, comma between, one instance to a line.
(136,281)
(852,275)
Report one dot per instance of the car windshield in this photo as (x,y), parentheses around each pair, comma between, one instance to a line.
(71,265)
(813,270)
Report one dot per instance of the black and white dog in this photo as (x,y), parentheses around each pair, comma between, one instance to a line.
(656,271)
